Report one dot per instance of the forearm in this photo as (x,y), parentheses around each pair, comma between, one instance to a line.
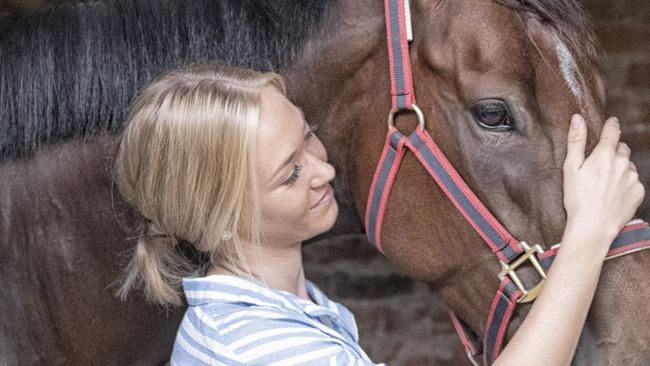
(550,333)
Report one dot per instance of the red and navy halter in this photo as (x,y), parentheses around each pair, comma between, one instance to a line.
(511,252)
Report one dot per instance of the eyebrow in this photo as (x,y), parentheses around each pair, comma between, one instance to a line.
(293,154)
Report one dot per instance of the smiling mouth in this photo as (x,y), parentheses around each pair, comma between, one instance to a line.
(328,192)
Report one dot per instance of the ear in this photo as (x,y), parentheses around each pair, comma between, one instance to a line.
(554,51)
(595,75)
(582,75)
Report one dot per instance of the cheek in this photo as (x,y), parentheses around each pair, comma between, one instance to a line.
(286,210)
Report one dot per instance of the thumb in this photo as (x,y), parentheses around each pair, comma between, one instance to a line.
(576,142)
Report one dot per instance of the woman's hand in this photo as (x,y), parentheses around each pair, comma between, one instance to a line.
(601,194)
(603,191)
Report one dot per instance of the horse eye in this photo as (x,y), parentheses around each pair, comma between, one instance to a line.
(493,114)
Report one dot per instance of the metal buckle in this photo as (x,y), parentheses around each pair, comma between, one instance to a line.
(471,358)
(509,270)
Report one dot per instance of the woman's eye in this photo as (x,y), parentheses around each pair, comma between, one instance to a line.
(493,114)
(294,175)
(297,168)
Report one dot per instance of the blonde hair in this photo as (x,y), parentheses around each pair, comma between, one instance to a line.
(186,161)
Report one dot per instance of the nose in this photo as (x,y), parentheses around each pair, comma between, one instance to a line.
(323,172)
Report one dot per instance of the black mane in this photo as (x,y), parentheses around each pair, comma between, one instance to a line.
(73,70)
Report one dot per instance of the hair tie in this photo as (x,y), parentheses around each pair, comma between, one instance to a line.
(153,230)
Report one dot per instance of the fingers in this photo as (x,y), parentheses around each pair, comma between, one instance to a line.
(609,139)
(610,134)
(604,190)
(576,142)
(623,150)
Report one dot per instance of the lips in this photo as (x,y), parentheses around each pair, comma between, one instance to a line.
(326,195)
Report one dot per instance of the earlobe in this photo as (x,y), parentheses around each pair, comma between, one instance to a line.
(227,235)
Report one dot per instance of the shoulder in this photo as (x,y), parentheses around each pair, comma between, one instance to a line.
(199,340)
(235,333)
(268,336)
(257,335)
(234,321)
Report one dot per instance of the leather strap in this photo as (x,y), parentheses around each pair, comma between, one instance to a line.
(398,48)
(633,238)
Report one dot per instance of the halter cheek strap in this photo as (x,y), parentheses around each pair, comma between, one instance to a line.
(420,143)
(510,252)
(398,48)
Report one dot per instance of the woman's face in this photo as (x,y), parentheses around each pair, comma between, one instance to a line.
(297,201)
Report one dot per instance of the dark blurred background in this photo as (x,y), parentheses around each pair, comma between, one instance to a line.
(400,321)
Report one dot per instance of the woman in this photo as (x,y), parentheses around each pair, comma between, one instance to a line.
(219,158)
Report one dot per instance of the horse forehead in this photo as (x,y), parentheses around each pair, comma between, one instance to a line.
(474,35)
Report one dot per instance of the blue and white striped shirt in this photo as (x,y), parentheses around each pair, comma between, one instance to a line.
(235,321)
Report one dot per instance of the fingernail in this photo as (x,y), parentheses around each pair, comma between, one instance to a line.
(576,121)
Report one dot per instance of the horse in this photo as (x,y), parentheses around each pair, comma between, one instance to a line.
(68,75)
(538,59)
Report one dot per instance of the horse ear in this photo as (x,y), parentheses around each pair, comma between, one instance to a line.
(594,72)
(578,68)
(542,35)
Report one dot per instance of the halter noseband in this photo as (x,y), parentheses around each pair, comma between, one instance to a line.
(511,252)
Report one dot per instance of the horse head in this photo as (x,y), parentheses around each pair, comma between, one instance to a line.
(497,82)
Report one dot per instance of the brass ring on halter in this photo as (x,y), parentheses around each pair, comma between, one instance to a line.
(414,108)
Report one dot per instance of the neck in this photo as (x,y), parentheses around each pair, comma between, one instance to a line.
(280,267)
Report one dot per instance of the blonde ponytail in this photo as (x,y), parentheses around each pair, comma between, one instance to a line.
(158,266)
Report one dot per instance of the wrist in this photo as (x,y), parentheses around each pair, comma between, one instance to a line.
(604,229)
(585,239)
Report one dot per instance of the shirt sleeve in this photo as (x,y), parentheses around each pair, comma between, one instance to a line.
(284,341)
